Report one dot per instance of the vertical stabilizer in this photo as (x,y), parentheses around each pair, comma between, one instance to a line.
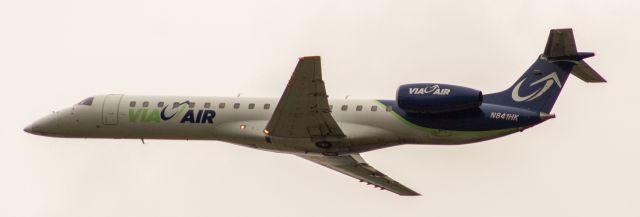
(539,87)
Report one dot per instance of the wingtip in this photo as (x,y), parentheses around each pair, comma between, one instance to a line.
(412,194)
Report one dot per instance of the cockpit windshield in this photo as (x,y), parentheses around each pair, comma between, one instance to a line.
(87,101)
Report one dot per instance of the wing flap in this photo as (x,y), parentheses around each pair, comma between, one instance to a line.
(355,166)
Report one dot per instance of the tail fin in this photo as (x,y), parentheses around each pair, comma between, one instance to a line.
(539,87)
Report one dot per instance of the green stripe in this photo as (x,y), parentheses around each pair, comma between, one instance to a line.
(450,133)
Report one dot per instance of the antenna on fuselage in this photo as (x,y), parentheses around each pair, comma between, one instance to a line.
(347,96)
(239,95)
(142,139)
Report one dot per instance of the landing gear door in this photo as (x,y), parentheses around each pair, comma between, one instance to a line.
(110,109)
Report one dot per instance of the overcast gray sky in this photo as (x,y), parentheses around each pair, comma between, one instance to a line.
(55,53)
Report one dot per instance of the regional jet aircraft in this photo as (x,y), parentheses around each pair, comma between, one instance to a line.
(333,132)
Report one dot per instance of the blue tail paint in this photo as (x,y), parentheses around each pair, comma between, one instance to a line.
(539,87)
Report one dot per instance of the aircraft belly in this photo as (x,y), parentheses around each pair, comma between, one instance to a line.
(251,134)
(365,137)
(366,128)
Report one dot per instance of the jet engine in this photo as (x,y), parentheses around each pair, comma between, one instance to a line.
(431,98)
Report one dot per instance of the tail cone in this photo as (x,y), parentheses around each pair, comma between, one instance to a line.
(545,116)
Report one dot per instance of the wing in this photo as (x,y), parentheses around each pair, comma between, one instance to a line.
(303,110)
(355,166)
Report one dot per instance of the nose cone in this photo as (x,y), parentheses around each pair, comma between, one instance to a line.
(28,129)
(44,126)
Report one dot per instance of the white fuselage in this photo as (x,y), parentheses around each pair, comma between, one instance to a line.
(367,124)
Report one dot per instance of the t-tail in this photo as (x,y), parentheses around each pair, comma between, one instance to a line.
(539,87)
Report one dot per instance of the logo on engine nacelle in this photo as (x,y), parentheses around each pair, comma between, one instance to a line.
(432,90)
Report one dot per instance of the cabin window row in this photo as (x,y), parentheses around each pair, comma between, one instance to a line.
(266,106)
(207,105)
(373,108)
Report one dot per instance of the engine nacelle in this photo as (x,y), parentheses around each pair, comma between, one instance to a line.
(437,98)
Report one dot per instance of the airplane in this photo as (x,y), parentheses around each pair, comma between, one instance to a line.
(333,132)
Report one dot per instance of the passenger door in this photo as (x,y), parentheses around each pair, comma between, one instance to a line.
(110,109)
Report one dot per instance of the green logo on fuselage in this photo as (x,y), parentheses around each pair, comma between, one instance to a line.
(146,115)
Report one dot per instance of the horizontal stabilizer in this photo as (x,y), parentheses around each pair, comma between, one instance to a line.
(560,44)
(583,71)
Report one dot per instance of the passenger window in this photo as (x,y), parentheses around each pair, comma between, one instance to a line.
(160,104)
(236,105)
(251,106)
(221,105)
(87,101)
(176,104)
(389,108)
(359,108)
(145,104)
(345,107)
(192,104)
(374,108)
(267,106)
(132,104)
(207,105)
